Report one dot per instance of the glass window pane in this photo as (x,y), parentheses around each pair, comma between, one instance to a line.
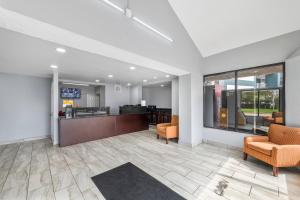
(258,98)
(219,101)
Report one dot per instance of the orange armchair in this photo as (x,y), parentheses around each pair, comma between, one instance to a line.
(281,148)
(168,130)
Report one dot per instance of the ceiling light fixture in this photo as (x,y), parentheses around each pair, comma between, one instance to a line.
(114,6)
(167,76)
(54,66)
(97,81)
(128,13)
(81,84)
(60,50)
(145,81)
(132,68)
(128,84)
(110,76)
(162,86)
(152,29)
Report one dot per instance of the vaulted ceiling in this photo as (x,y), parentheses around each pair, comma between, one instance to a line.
(91,26)
(216,26)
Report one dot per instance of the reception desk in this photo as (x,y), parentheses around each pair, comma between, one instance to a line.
(88,128)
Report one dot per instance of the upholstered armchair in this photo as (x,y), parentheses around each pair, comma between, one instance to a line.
(168,130)
(281,148)
(276,118)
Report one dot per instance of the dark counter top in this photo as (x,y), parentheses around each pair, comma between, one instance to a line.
(100,115)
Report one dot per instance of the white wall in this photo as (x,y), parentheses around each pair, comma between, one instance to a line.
(266,52)
(175,96)
(159,96)
(24,107)
(135,94)
(115,99)
(82,101)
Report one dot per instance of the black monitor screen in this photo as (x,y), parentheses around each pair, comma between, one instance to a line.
(70,93)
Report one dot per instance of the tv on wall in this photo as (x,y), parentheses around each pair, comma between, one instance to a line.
(70,93)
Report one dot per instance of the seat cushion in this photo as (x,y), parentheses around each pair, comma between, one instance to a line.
(262,147)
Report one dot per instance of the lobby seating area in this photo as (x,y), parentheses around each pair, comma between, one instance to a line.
(281,148)
(168,130)
(208,171)
(149,100)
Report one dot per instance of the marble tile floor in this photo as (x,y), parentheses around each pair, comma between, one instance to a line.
(37,170)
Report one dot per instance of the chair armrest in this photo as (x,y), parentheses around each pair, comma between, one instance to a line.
(171,131)
(286,155)
(255,139)
(163,124)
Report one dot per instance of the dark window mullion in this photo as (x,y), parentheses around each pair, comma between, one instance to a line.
(236,98)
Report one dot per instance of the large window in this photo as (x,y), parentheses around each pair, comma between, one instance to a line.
(246,100)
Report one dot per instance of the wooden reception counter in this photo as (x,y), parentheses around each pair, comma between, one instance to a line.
(88,128)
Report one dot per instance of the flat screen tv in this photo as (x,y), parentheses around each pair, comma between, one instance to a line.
(70,93)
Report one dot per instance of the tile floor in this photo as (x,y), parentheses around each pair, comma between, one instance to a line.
(37,170)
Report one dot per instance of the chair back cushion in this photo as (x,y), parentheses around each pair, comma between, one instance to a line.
(284,135)
(174,120)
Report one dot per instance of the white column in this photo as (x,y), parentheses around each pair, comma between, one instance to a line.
(292,96)
(197,108)
(54,108)
(191,109)
(185,109)
(175,96)
(136,94)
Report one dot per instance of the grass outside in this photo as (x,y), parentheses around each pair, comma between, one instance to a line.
(261,110)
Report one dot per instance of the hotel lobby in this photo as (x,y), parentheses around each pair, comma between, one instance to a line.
(149,100)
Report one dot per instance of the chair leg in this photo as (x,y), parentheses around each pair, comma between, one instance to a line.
(245,156)
(167,141)
(275,171)
(157,136)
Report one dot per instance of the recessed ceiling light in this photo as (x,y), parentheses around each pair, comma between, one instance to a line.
(162,86)
(97,81)
(145,81)
(110,76)
(60,50)
(128,84)
(54,66)
(132,68)
(167,76)
(154,77)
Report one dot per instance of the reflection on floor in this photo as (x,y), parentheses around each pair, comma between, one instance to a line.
(37,170)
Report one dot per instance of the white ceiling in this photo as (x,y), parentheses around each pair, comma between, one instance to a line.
(216,26)
(92,24)
(27,55)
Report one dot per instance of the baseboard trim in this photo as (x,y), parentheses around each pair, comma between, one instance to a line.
(24,140)
(222,145)
(189,144)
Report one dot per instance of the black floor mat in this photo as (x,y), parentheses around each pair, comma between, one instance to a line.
(128,182)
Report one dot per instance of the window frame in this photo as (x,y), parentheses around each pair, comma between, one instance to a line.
(236,129)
